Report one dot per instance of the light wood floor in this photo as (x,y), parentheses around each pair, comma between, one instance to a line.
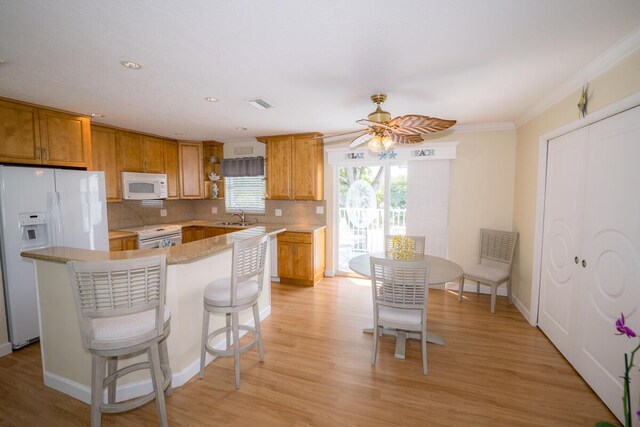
(493,370)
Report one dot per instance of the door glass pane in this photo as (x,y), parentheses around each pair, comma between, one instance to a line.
(361,212)
(398,199)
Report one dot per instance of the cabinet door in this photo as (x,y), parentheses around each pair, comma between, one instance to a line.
(65,139)
(216,231)
(286,259)
(130,148)
(171,168)
(304,261)
(19,136)
(152,155)
(307,169)
(115,245)
(188,234)
(104,155)
(279,168)
(191,178)
(129,243)
(198,233)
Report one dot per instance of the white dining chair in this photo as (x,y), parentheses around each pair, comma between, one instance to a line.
(418,243)
(494,263)
(400,292)
(231,295)
(121,310)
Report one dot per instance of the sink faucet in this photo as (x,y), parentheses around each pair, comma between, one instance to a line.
(242,217)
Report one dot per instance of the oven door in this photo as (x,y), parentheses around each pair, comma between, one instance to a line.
(160,241)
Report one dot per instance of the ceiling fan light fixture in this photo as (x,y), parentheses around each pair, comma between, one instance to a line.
(387,143)
(375,144)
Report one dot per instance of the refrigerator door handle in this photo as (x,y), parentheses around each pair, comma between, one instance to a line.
(56,221)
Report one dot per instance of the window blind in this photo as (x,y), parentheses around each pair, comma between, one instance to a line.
(244,192)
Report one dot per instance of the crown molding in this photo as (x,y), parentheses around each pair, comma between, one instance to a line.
(604,62)
(483,127)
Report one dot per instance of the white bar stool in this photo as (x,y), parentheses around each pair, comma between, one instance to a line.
(231,295)
(120,306)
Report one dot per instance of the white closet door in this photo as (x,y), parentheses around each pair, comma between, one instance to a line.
(566,168)
(611,250)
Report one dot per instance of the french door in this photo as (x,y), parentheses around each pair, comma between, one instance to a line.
(372,202)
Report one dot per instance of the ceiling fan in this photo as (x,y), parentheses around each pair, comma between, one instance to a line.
(384,132)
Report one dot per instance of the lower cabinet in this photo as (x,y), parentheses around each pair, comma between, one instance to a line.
(301,257)
(191,234)
(123,244)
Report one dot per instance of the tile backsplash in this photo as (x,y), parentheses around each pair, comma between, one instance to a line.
(136,213)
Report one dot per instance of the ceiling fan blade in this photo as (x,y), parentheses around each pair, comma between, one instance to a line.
(416,124)
(361,139)
(372,124)
(405,139)
(335,135)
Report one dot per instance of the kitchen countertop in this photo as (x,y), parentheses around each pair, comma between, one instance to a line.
(119,234)
(180,254)
(297,228)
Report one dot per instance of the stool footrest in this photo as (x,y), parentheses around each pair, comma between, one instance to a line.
(127,405)
(230,351)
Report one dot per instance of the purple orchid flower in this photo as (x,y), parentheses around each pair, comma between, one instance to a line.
(624,329)
(638,414)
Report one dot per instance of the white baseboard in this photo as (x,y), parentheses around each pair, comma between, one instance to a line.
(275,279)
(524,310)
(140,388)
(68,387)
(329,273)
(5,349)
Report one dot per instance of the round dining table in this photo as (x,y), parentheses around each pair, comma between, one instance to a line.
(442,271)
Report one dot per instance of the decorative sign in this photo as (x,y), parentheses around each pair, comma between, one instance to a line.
(417,152)
(425,152)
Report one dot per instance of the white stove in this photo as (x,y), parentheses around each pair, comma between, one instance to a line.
(158,235)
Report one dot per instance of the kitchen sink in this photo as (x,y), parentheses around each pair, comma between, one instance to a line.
(238,223)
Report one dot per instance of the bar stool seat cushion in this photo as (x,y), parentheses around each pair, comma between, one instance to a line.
(218,292)
(127,326)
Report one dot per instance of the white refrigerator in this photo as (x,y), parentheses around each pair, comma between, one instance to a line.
(39,208)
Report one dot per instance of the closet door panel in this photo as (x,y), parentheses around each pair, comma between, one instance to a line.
(611,251)
(564,201)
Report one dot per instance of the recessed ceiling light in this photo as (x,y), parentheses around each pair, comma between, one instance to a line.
(260,104)
(210,99)
(178,134)
(131,64)
(241,128)
(96,115)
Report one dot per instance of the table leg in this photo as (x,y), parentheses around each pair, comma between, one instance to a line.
(401,339)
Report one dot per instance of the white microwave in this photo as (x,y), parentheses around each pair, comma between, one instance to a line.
(144,186)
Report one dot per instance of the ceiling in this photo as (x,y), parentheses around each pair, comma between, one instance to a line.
(317,62)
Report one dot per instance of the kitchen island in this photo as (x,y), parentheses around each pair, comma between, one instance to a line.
(67,366)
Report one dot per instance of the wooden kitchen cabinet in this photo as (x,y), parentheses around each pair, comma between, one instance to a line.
(217,231)
(301,259)
(32,135)
(141,153)
(171,168)
(152,154)
(104,155)
(295,167)
(191,175)
(193,233)
(123,244)
(65,139)
(19,134)
(215,149)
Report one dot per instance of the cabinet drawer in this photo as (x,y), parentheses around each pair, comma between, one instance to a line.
(294,237)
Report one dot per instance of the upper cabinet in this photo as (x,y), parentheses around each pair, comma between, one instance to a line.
(141,153)
(152,155)
(171,168)
(104,155)
(295,166)
(191,173)
(31,135)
